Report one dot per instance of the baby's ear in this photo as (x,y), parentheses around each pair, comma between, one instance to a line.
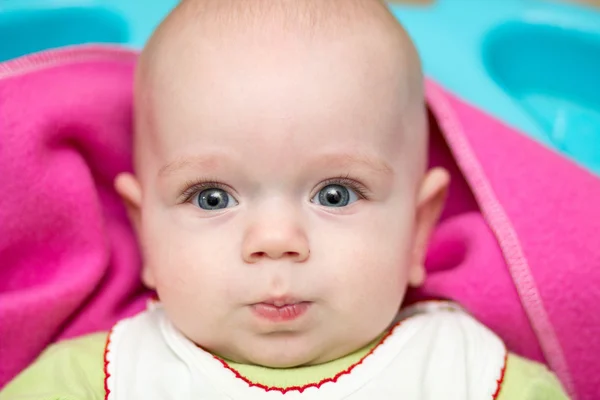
(430,203)
(128,187)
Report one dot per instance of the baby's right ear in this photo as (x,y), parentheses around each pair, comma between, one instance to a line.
(130,191)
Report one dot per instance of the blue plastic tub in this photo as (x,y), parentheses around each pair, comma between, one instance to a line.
(534,64)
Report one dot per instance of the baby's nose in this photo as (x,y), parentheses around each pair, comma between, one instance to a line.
(275,241)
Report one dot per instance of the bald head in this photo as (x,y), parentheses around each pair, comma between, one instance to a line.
(280,40)
(284,15)
(279,20)
(274,25)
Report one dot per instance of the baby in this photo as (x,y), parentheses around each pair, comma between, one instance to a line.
(283,206)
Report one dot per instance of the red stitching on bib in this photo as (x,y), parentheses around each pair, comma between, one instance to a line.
(106,374)
(501,378)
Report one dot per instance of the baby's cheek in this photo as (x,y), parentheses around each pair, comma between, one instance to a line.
(381,277)
(189,286)
(381,265)
(191,259)
(188,272)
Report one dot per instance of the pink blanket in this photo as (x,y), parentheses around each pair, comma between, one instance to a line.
(518,244)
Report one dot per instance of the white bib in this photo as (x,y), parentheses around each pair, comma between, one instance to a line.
(436,351)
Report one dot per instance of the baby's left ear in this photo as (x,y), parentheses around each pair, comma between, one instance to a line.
(430,203)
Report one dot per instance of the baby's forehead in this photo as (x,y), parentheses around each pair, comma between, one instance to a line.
(204,86)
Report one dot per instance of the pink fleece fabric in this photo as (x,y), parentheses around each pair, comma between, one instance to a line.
(518,243)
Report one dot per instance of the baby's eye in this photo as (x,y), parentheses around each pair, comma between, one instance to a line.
(335,196)
(213,199)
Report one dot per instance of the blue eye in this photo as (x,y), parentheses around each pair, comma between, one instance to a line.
(214,199)
(335,196)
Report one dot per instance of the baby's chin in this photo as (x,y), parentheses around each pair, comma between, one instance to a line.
(292,351)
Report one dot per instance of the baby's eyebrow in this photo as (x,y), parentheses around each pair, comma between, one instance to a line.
(202,162)
(346,160)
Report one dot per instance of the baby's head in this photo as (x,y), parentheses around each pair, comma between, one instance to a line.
(280,194)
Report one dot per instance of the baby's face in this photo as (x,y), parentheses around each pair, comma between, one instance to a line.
(279,199)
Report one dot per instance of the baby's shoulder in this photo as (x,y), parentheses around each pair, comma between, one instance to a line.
(461,340)
(529,380)
(71,369)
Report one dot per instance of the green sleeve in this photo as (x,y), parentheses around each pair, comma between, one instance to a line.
(528,380)
(68,370)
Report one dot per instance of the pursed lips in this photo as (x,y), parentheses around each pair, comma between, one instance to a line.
(280,309)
